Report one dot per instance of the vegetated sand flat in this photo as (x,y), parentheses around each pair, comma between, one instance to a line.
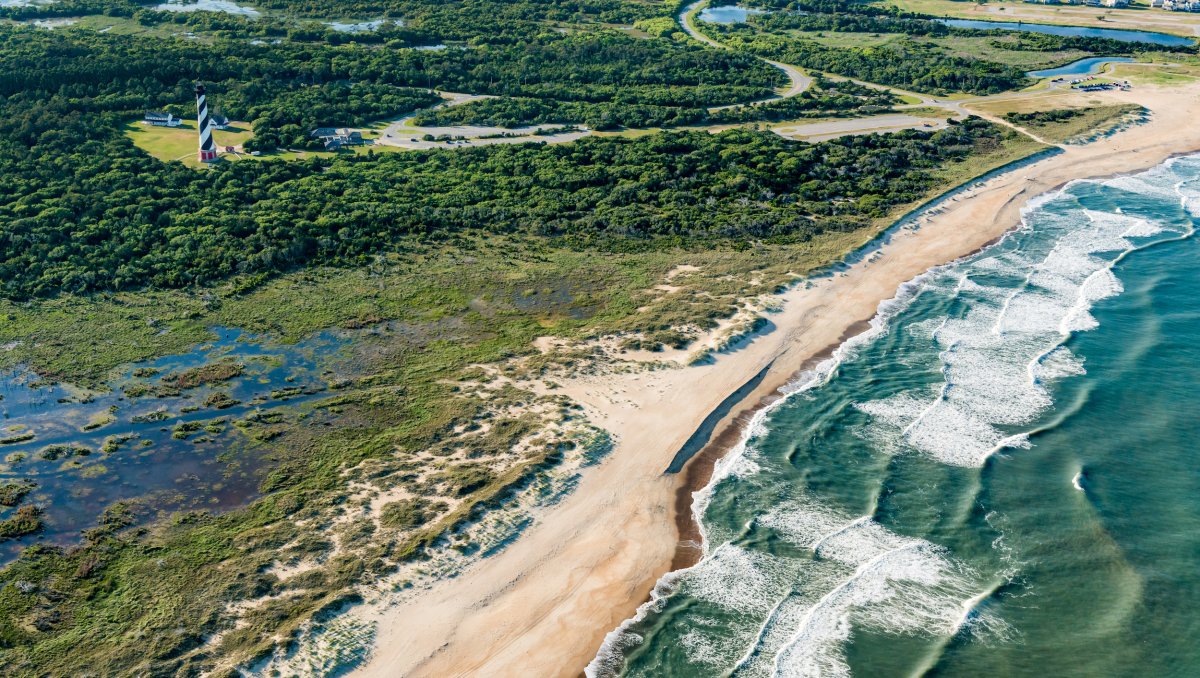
(543,606)
(881,123)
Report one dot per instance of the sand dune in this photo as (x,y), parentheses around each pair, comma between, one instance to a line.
(543,606)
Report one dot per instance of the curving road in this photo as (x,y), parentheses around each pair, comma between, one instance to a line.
(799,81)
(403,134)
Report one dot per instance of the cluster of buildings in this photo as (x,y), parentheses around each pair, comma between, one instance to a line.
(1089,3)
(1177,5)
(337,138)
(334,138)
(1172,5)
(164,119)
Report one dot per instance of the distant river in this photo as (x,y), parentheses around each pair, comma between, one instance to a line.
(1072,31)
(998,479)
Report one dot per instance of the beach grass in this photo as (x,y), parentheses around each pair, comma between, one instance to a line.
(481,301)
(1086,117)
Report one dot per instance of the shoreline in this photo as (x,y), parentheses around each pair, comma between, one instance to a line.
(545,605)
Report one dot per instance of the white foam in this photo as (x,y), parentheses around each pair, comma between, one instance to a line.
(861,575)
(999,356)
(793,613)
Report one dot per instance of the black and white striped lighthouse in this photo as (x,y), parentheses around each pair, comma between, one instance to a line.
(208,148)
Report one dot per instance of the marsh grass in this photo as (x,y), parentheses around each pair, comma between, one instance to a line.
(421,418)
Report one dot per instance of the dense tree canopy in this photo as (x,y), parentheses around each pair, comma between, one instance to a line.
(915,62)
(114,218)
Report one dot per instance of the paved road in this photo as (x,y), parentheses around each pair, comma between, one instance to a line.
(403,134)
(797,79)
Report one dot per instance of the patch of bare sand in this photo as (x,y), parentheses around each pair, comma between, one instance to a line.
(543,606)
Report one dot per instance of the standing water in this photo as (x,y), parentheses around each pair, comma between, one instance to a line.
(997,479)
(176,433)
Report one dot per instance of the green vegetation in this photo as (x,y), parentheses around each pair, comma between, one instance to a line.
(17,438)
(823,100)
(286,122)
(55,452)
(25,520)
(434,262)
(882,44)
(409,514)
(258,219)
(11,493)
(1066,124)
(211,373)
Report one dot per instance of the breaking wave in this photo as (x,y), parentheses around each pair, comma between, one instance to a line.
(975,349)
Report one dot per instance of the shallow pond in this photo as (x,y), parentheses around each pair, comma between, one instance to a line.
(1082,67)
(1070,31)
(224,6)
(362,26)
(164,433)
(727,15)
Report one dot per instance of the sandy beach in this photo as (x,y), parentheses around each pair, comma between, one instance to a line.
(543,606)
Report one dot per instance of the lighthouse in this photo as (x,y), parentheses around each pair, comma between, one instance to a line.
(208,149)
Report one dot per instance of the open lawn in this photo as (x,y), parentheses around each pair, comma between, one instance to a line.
(180,143)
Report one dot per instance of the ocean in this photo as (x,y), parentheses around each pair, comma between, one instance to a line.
(998,478)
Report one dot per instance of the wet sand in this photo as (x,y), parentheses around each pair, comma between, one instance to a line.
(543,606)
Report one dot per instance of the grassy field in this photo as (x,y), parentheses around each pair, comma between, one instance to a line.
(1158,74)
(1082,118)
(439,310)
(1051,100)
(1138,17)
(179,143)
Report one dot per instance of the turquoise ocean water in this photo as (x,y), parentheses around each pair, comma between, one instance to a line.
(1000,478)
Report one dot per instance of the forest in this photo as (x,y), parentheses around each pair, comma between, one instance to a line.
(109,256)
(116,219)
(824,99)
(915,62)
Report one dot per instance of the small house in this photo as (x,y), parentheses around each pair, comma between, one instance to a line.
(161,119)
(220,122)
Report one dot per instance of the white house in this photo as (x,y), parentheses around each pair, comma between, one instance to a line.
(161,119)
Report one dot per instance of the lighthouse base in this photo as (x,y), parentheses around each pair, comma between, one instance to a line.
(208,156)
